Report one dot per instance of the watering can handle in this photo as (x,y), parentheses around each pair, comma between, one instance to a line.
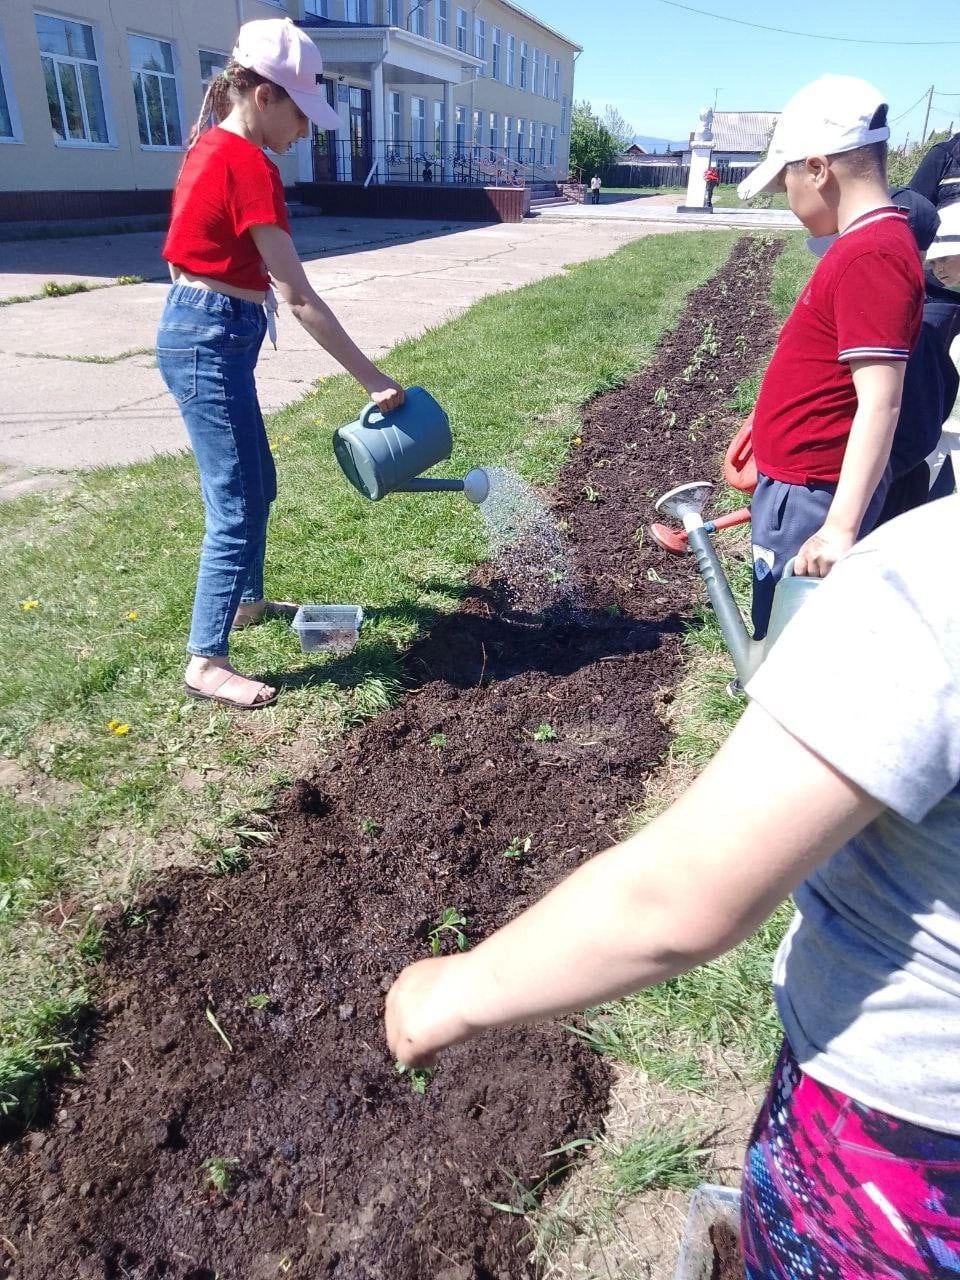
(367,413)
(788,569)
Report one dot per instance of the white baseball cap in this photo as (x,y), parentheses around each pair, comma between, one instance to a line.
(832,115)
(946,243)
(286,56)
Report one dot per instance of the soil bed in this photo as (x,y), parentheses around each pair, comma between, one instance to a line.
(333,1164)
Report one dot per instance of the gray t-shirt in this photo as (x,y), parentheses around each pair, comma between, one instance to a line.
(868,676)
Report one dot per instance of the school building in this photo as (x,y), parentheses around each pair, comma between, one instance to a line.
(97,97)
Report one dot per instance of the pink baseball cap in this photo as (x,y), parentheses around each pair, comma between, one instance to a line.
(286,56)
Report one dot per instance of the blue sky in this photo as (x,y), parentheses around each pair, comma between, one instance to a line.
(658,65)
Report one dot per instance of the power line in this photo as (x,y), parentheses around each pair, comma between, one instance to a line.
(806,35)
(897,119)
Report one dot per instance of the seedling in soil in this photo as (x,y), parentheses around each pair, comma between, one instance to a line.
(438,741)
(590,493)
(614,610)
(452,921)
(370,827)
(544,733)
(218,1171)
(135,917)
(660,397)
(211,1018)
(517,848)
(556,576)
(258,1000)
(417,1077)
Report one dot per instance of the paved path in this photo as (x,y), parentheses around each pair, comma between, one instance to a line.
(663,209)
(81,388)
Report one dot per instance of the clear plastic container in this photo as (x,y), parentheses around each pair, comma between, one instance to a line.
(710,1206)
(332,628)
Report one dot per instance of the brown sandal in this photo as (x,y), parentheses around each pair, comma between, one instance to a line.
(253,701)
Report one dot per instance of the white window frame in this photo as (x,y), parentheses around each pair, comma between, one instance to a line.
(547,73)
(494,134)
(476,132)
(542,149)
(537,71)
(521,134)
(320,10)
(461,130)
(553,144)
(480,44)
(84,143)
(524,65)
(395,117)
(442,22)
(507,133)
(13,109)
(395,13)
(556,80)
(417,18)
(215,53)
(565,116)
(156,146)
(463,31)
(511,59)
(362,10)
(418,123)
(438,128)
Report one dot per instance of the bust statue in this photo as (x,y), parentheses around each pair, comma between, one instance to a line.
(705,129)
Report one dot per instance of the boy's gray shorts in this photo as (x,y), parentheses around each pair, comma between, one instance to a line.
(783,517)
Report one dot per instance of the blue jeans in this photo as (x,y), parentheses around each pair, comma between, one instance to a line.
(207,348)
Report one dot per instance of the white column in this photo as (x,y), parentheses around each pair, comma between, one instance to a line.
(449,131)
(305,158)
(378,120)
(700,150)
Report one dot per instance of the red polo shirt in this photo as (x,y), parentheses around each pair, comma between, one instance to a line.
(226,186)
(864,301)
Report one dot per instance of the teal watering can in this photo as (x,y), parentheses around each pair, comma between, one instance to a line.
(385,453)
(686,504)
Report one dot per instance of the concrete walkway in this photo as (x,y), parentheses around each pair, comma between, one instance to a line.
(663,209)
(81,388)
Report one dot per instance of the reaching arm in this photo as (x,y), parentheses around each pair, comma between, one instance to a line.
(282,261)
(692,884)
(879,387)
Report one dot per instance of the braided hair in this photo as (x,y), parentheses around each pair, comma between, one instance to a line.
(223,93)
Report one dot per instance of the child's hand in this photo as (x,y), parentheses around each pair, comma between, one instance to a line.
(423,1014)
(821,552)
(386,394)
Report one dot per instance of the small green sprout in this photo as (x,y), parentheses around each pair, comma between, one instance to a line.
(211,1018)
(660,397)
(591,494)
(370,827)
(418,1077)
(517,848)
(438,741)
(544,733)
(219,1173)
(451,920)
(614,610)
(129,279)
(258,1000)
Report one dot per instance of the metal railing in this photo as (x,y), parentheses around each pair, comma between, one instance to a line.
(363,161)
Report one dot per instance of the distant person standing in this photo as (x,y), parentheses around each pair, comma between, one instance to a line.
(938,174)
(595,185)
(712,177)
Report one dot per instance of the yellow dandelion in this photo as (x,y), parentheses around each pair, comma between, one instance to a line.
(284,439)
(132,615)
(121,729)
(27,605)
(578,439)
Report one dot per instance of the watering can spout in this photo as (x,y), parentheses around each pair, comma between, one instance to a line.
(686,504)
(475,485)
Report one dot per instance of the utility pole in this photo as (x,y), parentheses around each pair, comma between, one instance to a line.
(716,95)
(926,118)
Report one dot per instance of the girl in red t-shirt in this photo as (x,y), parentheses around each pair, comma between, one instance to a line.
(229,235)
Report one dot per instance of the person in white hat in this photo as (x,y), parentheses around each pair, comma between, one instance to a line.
(943,262)
(830,398)
(229,237)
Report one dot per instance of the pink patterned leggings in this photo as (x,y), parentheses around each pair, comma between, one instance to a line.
(833,1190)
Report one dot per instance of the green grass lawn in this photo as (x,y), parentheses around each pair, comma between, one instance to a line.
(122,775)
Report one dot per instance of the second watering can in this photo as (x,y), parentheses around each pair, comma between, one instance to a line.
(385,453)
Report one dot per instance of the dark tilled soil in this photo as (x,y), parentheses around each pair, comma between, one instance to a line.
(335,1165)
(727,1259)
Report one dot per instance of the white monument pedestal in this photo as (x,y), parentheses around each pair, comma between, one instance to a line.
(701,149)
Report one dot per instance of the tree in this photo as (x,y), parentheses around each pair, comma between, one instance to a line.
(617,127)
(592,146)
(902,163)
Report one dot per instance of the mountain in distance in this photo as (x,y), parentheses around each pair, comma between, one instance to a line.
(658,145)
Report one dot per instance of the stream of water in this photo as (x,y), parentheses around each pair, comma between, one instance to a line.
(527,545)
